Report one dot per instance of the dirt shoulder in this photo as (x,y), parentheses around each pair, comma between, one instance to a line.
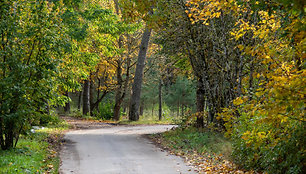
(79,123)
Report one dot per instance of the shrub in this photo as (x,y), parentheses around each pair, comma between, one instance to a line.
(106,111)
(46,119)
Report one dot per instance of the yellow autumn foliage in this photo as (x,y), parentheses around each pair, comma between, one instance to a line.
(273,116)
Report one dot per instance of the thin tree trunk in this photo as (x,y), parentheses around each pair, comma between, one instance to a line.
(86,97)
(80,100)
(91,96)
(121,91)
(136,89)
(153,109)
(160,99)
(1,133)
(9,135)
(95,105)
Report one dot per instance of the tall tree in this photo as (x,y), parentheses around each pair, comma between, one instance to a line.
(126,46)
(136,89)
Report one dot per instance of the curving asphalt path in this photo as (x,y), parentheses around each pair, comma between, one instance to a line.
(118,150)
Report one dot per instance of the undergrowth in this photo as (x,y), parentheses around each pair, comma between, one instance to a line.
(209,152)
(35,153)
(189,140)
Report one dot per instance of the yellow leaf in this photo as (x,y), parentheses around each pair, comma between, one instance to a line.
(238,101)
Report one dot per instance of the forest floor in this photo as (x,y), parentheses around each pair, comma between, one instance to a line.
(81,123)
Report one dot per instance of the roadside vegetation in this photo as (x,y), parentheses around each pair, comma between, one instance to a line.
(37,151)
(207,151)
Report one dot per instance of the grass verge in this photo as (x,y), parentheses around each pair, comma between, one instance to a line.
(144,122)
(35,153)
(208,152)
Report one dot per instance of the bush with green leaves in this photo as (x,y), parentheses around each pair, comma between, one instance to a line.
(31,48)
(106,111)
(256,147)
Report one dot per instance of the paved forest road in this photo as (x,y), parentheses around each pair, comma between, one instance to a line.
(118,150)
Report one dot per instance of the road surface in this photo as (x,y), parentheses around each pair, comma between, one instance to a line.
(118,150)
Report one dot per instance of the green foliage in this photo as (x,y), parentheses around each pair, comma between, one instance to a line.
(256,146)
(31,51)
(181,92)
(48,119)
(106,111)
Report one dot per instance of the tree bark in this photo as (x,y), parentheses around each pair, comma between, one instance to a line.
(118,99)
(91,96)
(86,97)
(80,100)
(141,108)
(136,89)
(1,133)
(117,107)
(200,103)
(160,99)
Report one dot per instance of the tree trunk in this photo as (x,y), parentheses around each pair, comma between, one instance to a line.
(91,96)
(98,93)
(200,103)
(80,100)
(118,99)
(86,97)
(67,105)
(136,89)
(9,135)
(121,91)
(1,133)
(153,109)
(95,105)
(117,107)
(141,108)
(160,99)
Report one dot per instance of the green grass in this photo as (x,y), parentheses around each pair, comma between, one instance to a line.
(146,122)
(191,140)
(34,153)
